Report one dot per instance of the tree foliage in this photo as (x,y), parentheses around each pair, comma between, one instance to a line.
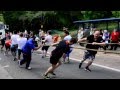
(32,20)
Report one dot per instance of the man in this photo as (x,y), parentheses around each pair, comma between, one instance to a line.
(27,52)
(14,44)
(47,42)
(80,34)
(115,38)
(21,42)
(56,54)
(95,41)
(68,38)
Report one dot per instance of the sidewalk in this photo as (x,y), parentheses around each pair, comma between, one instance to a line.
(108,59)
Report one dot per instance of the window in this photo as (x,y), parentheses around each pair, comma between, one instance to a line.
(1,26)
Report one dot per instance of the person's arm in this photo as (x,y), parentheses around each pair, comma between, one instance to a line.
(82,40)
(55,43)
(36,48)
(101,44)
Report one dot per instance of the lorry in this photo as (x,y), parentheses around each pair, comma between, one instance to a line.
(3,29)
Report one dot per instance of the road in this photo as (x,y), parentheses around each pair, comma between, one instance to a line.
(9,69)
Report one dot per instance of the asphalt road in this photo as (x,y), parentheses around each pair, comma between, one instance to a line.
(9,69)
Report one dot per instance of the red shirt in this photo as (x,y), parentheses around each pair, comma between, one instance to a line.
(8,42)
(115,36)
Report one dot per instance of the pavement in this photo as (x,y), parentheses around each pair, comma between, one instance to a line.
(105,66)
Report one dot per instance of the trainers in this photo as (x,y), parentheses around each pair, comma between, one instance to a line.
(5,54)
(46,76)
(19,64)
(42,56)
(87,69)
(80,65)
(14,59)
(29,68)
(53,73)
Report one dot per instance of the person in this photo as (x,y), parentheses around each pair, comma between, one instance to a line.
(3,43)
(27,53)
(14,44)
(115,38)
(101,32)
(106,38)
(67,54)
(40,32)
(21,42)
(95,41)
(47,42)
(7,45)
(80,34)
(56,54)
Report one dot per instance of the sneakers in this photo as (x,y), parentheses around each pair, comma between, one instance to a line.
(14,59)
(5,54)
(42,56)
(80,65)
(29,68)
(87,69)
(46,76)
(19,64)
(53,75)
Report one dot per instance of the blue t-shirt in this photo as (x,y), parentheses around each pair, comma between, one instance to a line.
(28,46)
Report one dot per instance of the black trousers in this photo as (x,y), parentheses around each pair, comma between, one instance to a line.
(114,46)
(26,59)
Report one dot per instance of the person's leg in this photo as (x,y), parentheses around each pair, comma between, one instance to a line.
(86,56)
(13,51)
(43,51)
(23,60)
(112,45)
(115,46)
(46,49)
(19,54)
(2,43)
(64,57)
(28,60)
(90,62)
(105,49)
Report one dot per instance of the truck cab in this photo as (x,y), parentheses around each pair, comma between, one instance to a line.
(3,29)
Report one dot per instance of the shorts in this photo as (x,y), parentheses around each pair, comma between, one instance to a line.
(55,57)
(88,55)
(45,48)
(54,60)
(14,48)
(19,52)
(7,47)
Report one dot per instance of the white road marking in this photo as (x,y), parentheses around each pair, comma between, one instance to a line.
(5,66)
(98,65)
(0,58)
(114,69)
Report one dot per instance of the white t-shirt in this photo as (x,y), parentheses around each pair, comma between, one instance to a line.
(14,39)
(80,35)
(21,42)
(68,38)
(48,40)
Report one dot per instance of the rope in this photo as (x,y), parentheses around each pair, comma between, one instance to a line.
(107,51)
(106,43)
